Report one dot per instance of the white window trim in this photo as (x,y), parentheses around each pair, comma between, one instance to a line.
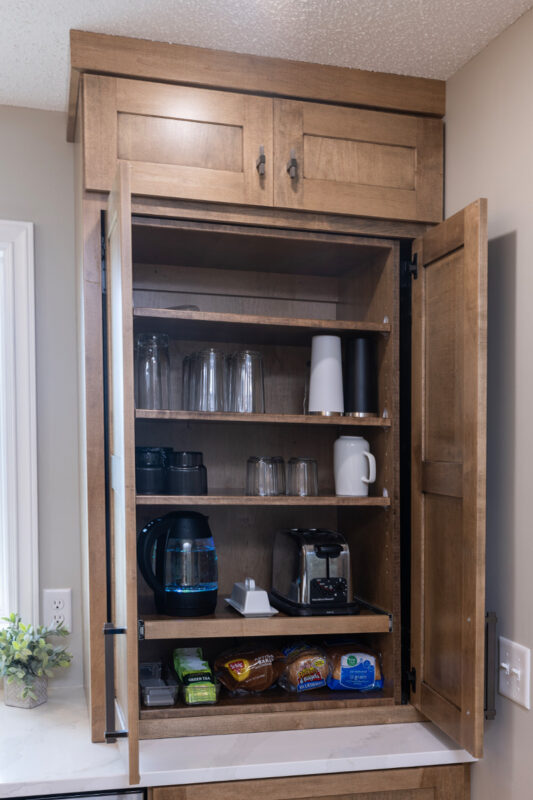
(19,557)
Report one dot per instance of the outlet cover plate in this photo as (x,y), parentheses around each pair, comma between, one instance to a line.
(514,671)
(57,607)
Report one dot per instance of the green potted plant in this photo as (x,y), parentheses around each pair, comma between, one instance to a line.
(28,659)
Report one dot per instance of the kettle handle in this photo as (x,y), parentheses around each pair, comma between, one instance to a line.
(371,467)
(145,543)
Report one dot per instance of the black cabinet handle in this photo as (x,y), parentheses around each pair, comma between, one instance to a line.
(292,165)
(260,164)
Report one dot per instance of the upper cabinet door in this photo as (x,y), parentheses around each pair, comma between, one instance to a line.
(358,162)
(122,457)
(448,474)
(181,142)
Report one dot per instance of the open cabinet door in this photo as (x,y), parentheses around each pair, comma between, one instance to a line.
(448,474)
(122,461)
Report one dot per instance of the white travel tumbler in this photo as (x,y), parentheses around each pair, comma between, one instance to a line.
(325,386)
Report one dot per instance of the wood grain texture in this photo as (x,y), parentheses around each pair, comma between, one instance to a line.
(246,328)
(227,623)
(267,419)
(272,701)
(279,218)
(417,783)
(289,720)
(122,452)
(88,257)
(172,501)
(448,477)
(180,141)
(99,132)
(428,783)
(354,161)
(117,55)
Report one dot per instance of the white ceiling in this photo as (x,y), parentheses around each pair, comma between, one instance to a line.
(429,38)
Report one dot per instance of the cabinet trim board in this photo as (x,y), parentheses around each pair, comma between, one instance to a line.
(218,69)
(122,457)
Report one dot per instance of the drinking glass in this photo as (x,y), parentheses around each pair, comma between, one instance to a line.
(279,470)
(185,384)
(152,371)
(247,390)
(206,376)
(303,477)
(262,477)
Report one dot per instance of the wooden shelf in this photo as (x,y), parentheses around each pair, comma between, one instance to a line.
(227,499)
(271,701)
(226,622)
(275,419)
(247,328)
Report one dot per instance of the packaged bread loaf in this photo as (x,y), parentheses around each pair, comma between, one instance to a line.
(249,669)
(354,667)
(306,668)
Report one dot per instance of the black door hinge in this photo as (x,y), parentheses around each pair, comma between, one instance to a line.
(412,266)
(411,678)
(140,629)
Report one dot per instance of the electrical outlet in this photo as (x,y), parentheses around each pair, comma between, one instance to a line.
(514,669)
(57,608)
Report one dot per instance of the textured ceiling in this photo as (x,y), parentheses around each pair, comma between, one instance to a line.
(429,38)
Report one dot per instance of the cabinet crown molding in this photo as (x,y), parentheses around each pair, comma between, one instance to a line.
(217,69)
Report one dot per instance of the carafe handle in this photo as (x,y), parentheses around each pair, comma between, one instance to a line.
(371,467)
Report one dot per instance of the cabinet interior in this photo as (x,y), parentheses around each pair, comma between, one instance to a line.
(272,290)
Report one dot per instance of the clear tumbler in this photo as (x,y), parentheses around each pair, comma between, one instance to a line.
(303,477)
(262,477)
(207,374)
(247,391)
(152,371)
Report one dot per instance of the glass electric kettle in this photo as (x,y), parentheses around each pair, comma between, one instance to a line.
(178,560)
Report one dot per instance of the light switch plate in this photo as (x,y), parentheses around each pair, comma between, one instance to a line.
(515,671)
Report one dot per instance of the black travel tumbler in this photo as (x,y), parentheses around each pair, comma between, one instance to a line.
(361,377)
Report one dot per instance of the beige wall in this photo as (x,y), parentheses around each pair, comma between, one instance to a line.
(37,185)
(489,152)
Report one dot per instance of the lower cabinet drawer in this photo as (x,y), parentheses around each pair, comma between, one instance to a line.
(426,783)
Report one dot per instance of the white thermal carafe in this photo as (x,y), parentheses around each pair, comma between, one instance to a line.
(325,386)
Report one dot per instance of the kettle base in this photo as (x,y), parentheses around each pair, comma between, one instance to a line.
(186,604)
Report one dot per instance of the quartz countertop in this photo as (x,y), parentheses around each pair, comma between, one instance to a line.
(48,750)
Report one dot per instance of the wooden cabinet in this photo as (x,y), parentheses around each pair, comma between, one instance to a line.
(354,161)
(270,261)
(198,144)
(182,142)
(429,783)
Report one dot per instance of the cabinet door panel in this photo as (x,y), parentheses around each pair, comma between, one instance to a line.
(354,161)
(181,142)
(122,455)
(448,474)
(423,783)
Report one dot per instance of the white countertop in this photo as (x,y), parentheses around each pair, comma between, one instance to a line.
(48,750)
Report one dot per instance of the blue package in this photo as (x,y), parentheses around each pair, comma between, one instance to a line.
(354,670)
